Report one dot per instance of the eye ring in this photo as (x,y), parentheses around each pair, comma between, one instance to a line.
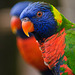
(39,13)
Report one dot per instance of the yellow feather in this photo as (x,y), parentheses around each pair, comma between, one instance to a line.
(57,15)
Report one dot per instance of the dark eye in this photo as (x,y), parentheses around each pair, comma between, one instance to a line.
(39,13)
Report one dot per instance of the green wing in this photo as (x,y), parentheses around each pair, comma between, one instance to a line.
(70,48)
(62,22)
(70,42)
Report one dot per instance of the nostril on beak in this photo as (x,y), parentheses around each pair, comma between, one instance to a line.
(25,19)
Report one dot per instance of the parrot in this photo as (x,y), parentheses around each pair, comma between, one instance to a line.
(27,46)
(55,34)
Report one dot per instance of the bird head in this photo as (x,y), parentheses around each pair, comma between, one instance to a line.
(15,13)
(15,24)
(40,19)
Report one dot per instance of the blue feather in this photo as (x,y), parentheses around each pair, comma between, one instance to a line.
(18,8)
(45,25)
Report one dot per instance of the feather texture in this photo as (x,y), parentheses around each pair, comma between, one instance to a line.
(31,53)
(56,36)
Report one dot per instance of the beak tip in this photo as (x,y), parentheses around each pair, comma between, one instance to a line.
(28,35)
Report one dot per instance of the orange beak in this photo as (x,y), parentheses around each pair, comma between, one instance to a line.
(15,24)
(27,27)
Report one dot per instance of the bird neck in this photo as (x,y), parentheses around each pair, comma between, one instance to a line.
(41,38)
(65,24)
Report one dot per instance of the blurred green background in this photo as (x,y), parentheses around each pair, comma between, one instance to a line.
(11,63)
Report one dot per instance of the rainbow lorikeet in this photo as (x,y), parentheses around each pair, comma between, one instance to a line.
(28,46)
(55,34)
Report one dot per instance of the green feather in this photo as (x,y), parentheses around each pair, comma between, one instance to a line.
(62,69)
(70,48)
(62,22)
(66,23)
(65,74)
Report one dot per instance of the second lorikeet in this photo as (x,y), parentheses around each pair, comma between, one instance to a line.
(55,33)
(28,47)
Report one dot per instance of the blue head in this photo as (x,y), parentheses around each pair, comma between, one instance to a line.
(15,20)
(39,13)
(18,8)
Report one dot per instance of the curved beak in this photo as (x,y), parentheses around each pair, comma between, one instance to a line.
(27,27)
(15,24)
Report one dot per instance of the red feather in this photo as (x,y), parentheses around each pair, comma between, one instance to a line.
(67,70)
(53,48)
(31,53)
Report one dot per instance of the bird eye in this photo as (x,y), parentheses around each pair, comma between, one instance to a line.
(39,14)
